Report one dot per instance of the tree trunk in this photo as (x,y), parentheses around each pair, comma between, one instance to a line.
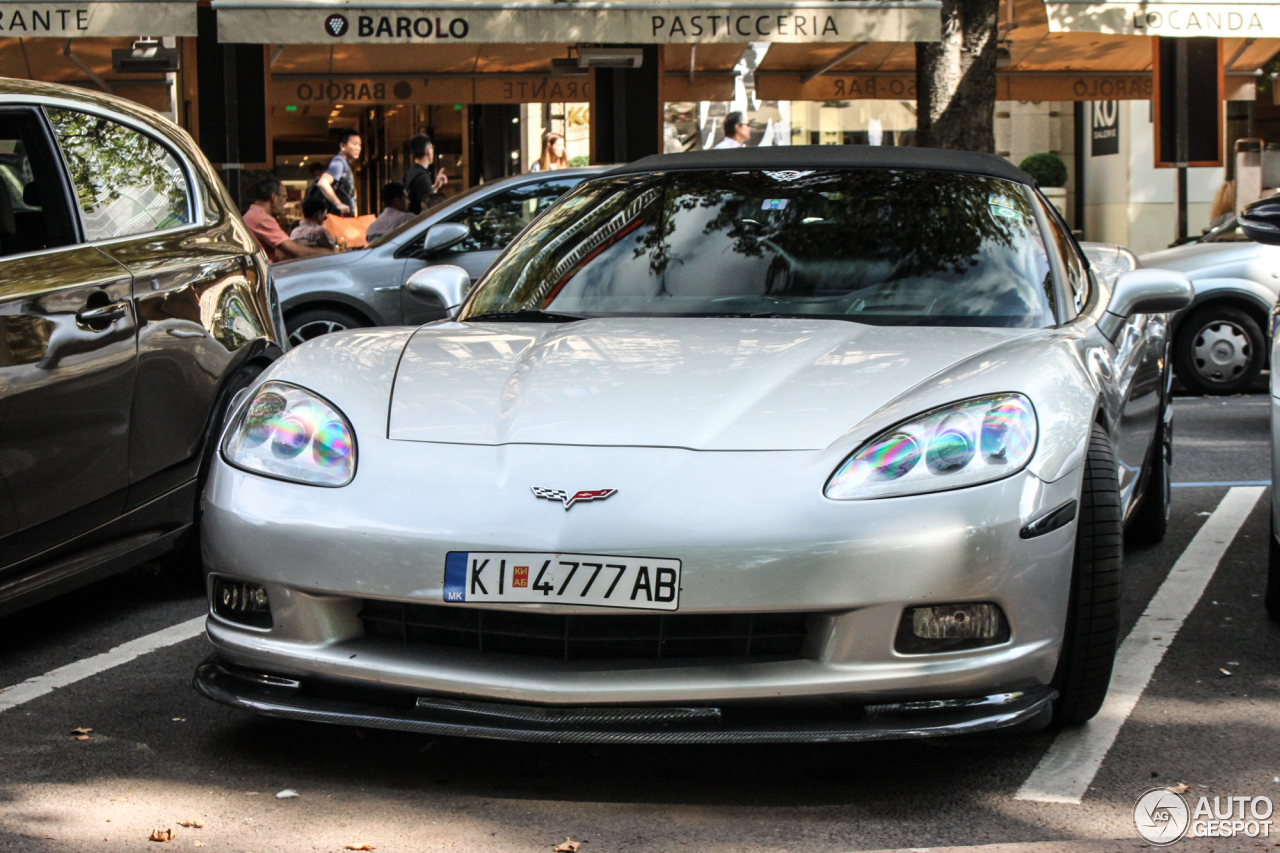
(956,79)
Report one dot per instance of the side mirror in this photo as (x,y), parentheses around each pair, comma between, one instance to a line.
(443,235)
(444,284)
(1260,221)
(1145,292)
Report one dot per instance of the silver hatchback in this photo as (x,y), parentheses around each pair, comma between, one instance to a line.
(364,287)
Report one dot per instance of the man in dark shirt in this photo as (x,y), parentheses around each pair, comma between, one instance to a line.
(424,192)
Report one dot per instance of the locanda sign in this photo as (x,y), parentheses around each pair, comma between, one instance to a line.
(1156,18)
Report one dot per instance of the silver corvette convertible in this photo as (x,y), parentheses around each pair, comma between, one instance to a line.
(792,444)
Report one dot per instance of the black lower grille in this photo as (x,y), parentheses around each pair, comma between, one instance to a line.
(735,636)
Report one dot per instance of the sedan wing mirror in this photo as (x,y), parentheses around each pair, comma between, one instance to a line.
(443,235)
(444,284)
(1260,221)
(1145,292)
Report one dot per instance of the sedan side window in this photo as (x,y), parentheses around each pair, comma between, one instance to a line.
(33,209)
(495,221)
(126,182)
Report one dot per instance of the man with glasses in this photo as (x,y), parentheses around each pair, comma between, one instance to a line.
(269,197)
(737,131)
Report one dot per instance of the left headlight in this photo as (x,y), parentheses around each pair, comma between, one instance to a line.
(962,444)
(292,434)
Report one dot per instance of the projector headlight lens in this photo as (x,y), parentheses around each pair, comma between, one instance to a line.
(963,444)
(292,434)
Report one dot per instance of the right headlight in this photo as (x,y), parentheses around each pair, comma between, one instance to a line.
(292,434)
(961,444)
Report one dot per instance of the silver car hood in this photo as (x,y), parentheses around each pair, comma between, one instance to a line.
(1195,257)
(704,384)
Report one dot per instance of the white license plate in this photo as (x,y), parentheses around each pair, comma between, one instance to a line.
(643,583)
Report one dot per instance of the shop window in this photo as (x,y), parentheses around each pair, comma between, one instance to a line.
(32,214)
(126,182)
(495,221)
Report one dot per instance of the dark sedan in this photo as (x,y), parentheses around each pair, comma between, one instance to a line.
(134,305)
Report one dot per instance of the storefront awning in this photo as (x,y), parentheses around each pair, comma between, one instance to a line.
(1164,18)
(51,19)
(589,21)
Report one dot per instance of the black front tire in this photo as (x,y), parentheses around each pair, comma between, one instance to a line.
(1093,612)
(1272,598)
(313,322)
(1218,350)
(186,559)
(1150,522)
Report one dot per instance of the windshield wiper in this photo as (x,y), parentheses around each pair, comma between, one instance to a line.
(525,315)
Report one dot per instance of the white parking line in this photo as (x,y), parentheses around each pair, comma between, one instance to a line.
(1066,770)
(33,688)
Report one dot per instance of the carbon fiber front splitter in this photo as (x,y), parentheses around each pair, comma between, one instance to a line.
(281,697)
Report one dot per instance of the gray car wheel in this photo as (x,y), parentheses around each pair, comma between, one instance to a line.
(1093,614)
(314,322)
(1219,350)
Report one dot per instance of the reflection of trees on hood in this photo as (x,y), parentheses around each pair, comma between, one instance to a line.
(107,161)
(918,224)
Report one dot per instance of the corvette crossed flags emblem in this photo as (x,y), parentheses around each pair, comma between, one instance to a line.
(569,500)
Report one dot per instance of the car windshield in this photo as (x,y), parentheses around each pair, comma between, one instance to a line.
(872,246)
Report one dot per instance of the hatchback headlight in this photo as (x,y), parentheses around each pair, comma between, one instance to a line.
(292,434)
(963,444)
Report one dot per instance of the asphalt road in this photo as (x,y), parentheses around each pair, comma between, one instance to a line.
(158,754)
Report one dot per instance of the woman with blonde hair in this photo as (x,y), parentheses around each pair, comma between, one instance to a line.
(553,154)
(1224,204)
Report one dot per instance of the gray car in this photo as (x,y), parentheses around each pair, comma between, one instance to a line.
(1219,343)
(363,287)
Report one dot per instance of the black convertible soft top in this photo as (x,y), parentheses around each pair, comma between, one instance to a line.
(831,157)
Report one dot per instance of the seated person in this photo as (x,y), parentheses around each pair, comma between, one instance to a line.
(395,211)
(268,202)
(311,231)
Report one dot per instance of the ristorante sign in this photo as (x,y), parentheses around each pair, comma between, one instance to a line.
(592,21)
(72,20)
(1163,18)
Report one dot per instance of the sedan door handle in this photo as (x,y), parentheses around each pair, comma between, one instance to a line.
(110,311)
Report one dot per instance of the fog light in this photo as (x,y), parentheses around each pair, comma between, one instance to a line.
(950,628)
(241,602)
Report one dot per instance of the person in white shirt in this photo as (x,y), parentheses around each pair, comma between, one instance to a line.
(737,130)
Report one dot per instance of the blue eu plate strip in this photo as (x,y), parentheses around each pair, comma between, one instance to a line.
(455,576)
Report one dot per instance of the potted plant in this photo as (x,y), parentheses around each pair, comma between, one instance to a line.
(1050,174)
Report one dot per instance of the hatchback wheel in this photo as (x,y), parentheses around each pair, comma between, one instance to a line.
(1093,613)
(314,322)
(1219,350)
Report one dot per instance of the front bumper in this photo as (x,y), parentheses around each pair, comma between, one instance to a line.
(765,541)
(300,700)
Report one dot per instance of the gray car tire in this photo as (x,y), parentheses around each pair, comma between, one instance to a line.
(1218,350)
(313,322)
(1093,612)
